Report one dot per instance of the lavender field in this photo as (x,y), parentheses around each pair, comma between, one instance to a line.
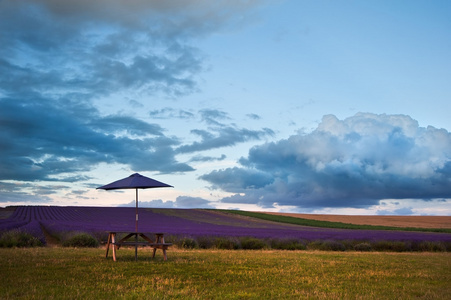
(42,221)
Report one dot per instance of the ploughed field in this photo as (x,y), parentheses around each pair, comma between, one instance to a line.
(47,222)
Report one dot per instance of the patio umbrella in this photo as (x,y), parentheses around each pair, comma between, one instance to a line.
(135,181)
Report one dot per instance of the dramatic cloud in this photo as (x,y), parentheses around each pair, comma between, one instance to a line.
(354,162)
(20,192)
(42,139)
(97,48)
(59,57)
(226,134)
(102,47)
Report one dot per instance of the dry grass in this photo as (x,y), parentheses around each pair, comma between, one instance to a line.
(71,273)
(396,221)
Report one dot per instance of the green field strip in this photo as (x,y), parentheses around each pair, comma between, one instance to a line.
(327,224)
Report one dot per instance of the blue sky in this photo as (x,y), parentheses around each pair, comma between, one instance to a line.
(297,106)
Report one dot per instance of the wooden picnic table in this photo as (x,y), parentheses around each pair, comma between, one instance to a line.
(159,242)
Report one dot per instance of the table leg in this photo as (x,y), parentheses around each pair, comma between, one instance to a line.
(113,238)
(108,244)
(160,239)
(164,248)
(157,240)
(164,254)
(136,247)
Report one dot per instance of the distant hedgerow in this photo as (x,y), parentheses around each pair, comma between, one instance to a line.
(429,246)
(287,244)
(363,247)
(18,238)
(395,246)
(326,245)
(251,243)
(82,240)
(205,242)
(227,243)
(187,243)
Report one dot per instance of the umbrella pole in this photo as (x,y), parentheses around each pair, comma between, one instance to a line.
(136,228)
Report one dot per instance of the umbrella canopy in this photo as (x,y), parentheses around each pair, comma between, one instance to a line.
(135,181)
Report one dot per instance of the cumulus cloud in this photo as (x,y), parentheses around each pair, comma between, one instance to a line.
(354,162)
(180,202)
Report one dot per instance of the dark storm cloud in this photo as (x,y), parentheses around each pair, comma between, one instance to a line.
(43,139)
(58,57)
(19,192)
(344,163)
(101,47)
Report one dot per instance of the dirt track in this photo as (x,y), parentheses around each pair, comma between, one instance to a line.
(398,221)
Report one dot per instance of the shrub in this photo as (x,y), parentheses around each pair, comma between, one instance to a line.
(429,246)
(18,238)
(363,247)
(205,242)
(287,244)
(447,246)
(327,246)
(226,243)
(333,246)
(81,240)
(187,243)
(251,243)
(396,246)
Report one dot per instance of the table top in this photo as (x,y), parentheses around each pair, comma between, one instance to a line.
(134,232)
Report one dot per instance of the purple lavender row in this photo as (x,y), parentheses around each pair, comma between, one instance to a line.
(193,223)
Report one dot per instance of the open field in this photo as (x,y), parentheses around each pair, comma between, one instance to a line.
(71,273)
(223,229)
(395,221)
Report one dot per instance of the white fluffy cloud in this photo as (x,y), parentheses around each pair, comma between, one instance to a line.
(354,162)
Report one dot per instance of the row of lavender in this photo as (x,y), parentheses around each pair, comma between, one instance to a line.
(189,223)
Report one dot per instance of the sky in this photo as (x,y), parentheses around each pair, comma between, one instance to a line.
(336,107)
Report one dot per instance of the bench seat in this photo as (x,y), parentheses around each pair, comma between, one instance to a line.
(158,243)
(142,244)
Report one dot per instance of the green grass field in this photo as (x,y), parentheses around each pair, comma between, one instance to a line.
(76,273)
(326,224)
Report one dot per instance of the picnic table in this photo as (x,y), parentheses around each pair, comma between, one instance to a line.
(159,242)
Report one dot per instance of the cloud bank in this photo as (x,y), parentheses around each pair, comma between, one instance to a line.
(59,57)
(180,202)
(355,162)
